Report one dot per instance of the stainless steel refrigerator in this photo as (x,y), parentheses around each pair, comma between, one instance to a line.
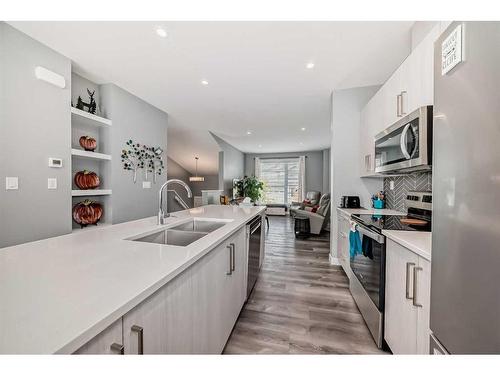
(465,278)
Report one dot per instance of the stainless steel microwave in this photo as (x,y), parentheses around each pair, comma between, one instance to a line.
(406,145)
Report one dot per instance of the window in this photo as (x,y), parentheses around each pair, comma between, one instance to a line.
(281,178)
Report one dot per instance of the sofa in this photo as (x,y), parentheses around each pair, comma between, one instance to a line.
(319,216)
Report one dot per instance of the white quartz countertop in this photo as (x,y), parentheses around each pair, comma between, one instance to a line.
(369,211)
(418,242)
(58,293)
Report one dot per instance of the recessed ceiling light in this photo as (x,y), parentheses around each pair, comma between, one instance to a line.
(161,32)
(303,129)
(310,65)
(204,82)
(260,146)
(301,143)
(249,132)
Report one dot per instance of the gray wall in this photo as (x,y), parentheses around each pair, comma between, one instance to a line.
(133,119)
(314,166)
(175,170)
(326,170)
(344,158)
(34,125)
(211,183)
(231,165)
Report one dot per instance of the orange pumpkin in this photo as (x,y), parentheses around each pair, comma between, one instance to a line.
(87,180)
(87,212)
(88,143)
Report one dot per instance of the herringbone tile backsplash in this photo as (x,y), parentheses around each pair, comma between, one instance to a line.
(395,199)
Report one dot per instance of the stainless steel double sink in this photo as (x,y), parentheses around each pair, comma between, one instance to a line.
(183,234)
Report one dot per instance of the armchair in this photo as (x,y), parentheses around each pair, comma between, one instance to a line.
(319,219)
(312,199)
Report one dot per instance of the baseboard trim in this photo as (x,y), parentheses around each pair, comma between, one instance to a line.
(333,260)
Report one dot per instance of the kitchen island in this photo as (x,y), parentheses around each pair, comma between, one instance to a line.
(60,293)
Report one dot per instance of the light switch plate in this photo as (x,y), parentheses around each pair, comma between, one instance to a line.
(146,184)
(52,183)
(391,184)
(11,183)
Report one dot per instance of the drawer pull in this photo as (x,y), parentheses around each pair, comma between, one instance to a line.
(117,348)
(415,286)
(408,266)
(140,338)
(230,272)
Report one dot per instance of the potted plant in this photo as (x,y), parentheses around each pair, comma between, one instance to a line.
(252,188)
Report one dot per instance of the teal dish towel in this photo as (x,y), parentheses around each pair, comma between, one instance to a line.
(354,243)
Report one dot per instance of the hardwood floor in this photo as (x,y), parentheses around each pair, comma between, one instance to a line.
(300,304)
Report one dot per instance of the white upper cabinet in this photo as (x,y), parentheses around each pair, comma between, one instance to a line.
(411,86)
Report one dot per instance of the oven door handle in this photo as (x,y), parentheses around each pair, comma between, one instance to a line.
(402,142)
(368,233)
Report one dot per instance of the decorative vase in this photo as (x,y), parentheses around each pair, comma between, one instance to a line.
(87,212)
(86,180)
(88,143)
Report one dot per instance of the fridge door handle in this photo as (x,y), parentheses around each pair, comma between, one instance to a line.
(408,270)
(415,283)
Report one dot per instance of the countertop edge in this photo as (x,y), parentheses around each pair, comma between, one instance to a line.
(369,211)
(393,235)
(106,321)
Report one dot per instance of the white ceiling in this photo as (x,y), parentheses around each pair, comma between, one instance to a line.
(256,72)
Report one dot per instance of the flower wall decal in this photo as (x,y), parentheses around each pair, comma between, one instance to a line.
(136,156)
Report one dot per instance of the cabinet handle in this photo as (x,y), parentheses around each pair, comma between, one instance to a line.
(117,348)
(403,113)
(398,105)
(140,338)
(415,283)
(233,264)
(408,266)
(230,272)
(368,163)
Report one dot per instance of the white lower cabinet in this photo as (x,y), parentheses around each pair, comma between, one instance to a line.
(407,300)
(108,341)
(163,322)
(343,242)
(219,286)
(192,314)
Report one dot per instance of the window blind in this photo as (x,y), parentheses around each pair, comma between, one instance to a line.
(282,180)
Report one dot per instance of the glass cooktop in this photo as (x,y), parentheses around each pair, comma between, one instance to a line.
(393,222)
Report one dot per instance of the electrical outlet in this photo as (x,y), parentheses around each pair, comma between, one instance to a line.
(11,183)
(146,184)
(391,184)
(52,183)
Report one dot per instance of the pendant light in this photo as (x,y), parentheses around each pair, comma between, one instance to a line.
(196,178)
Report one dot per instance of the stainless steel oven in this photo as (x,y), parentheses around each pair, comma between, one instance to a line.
(368,285)
(406,145)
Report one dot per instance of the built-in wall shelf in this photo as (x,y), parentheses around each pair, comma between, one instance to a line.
(90,193)
(89,154)
(92,227)
(89,118)
(85,124)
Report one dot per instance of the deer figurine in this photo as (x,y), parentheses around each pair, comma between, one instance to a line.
(91,105)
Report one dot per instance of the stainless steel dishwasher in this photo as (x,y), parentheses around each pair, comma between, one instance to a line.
(254,233)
